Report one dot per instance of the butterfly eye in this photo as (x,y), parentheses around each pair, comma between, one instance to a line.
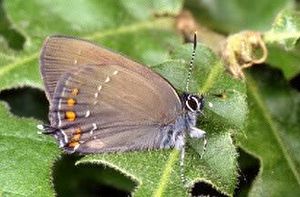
(192,104)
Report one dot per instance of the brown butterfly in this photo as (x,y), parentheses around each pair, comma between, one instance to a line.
(101,101)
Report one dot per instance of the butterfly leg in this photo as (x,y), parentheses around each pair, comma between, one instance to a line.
(182,155)
(197,133)
(180,145)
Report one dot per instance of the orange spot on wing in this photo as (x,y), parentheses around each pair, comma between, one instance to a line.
(77,131)
(75,92)
(70,115)
(71,102)
(73,144)
(76,138)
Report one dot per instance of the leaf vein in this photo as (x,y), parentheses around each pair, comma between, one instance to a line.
(18,62)
(166,173)
(212,75)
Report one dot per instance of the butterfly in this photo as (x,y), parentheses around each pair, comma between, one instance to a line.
(101,101)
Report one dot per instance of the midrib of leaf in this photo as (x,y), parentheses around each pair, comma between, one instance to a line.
(266,114)
(159,23)
(166,174)
(18,62)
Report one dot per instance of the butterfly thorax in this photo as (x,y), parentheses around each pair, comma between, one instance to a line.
(174,134)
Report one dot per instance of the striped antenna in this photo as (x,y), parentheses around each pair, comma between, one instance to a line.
(191,62)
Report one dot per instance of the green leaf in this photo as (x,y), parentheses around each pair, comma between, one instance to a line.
(26,157)
(237,15)
(287,61)
(272,134)
(161,174)
(146,38)
(285,29)
(282,40)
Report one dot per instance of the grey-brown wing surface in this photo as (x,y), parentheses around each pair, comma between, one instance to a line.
(112,108)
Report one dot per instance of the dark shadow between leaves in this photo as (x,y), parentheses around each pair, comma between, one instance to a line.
(88,180)
(26,102)
(205,189)
(295,82)
(249,168)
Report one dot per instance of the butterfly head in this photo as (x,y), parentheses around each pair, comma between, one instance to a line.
(193,103)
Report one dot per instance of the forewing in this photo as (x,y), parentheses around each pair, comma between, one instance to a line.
(112,108)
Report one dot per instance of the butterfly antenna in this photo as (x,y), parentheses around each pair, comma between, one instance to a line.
(191,62)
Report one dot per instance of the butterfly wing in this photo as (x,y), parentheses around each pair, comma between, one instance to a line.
(104,107)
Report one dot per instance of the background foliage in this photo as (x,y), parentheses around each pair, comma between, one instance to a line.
(252,123)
